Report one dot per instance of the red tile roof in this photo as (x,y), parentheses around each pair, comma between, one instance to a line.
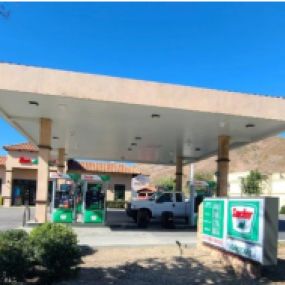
(100,167)
(2,161)
(21,147)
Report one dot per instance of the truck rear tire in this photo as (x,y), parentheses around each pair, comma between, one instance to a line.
(143,218)
(167,220)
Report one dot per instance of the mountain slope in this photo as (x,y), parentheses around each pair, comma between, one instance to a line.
(267,156)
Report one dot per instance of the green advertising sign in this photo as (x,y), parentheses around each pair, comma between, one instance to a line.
(243,220)
(238,225)
(213,218)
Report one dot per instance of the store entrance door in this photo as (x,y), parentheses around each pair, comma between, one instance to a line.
(24,190)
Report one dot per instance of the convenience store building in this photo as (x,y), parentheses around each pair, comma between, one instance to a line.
(18,173)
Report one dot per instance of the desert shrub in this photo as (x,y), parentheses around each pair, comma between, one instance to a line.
(168,183)
(55,249)
(15,255)
(282,210)
(116,204)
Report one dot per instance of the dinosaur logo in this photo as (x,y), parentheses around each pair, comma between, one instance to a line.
(242,218)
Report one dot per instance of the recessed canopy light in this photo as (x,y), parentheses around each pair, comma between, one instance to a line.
(138,138)
(197,149)
(35,103)
(129,149)
(134,144)
(155,116)
(250,125)
(55,138)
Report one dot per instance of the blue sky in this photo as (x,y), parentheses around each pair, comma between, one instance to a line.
(230,46)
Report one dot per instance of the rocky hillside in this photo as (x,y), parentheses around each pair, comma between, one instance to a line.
(267,155)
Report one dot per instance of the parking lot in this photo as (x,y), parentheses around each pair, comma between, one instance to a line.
(120,230)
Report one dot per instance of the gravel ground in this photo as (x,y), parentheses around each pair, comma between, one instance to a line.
(167,265)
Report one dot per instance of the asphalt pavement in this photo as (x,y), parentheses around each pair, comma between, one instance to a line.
(120,230)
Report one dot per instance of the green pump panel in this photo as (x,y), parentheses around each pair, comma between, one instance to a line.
(62,207)
(94,210)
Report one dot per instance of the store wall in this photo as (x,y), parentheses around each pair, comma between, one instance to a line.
(124,179)
(13,160)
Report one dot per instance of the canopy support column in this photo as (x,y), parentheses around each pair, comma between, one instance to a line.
(178,181)
(223,165)
(61,160)
(7,189)
(192,195)
(43,170)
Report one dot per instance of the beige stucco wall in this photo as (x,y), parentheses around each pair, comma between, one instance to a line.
(274,186)
(13,160)
(119,179)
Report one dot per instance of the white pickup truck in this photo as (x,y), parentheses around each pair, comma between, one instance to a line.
(165,206)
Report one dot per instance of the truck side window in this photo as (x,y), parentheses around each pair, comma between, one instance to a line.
(165,197)
(178,197)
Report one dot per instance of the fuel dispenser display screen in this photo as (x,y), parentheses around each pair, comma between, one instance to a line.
(94,197)
(94,202)
(64,197)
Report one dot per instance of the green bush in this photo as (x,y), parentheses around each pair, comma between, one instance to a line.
(55,248)
(116,204)
(252,183)
(15,255)
(1,200)
(282,210)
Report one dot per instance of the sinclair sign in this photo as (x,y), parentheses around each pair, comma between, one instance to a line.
(246,227)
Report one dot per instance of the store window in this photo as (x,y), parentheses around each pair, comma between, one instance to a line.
(23,191)
(119,192)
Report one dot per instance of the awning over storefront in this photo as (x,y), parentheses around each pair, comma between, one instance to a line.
(106,118)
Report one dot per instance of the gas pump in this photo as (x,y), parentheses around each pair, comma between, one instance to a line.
(62,204)
(93,206)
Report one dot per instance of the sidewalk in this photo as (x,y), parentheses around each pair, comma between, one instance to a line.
(104,236)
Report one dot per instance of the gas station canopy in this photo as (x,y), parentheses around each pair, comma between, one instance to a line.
(106,118)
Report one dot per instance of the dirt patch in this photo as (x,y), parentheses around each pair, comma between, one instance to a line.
(167,265)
